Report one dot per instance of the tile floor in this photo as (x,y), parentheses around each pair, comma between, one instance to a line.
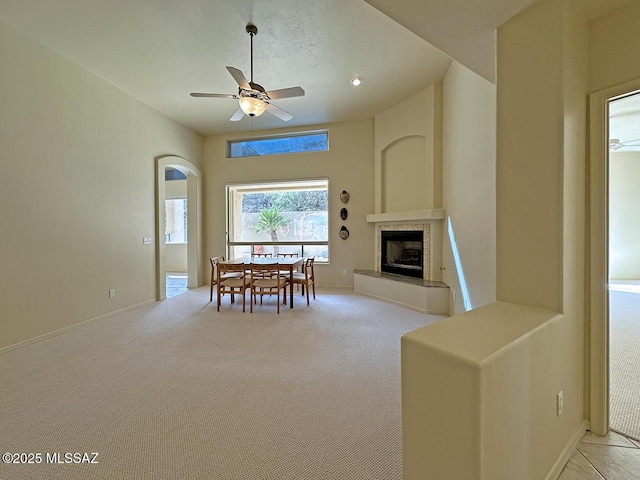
(176,283)
(613,457)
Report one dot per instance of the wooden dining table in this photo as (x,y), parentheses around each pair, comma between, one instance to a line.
(289,264)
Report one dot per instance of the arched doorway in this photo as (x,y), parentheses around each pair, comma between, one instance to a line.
(194,221)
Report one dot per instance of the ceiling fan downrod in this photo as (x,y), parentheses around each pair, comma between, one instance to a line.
(252,30)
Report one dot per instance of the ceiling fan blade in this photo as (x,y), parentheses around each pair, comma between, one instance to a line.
(214,95)
(278,112)
(286,93)
(239,77)
(237,115)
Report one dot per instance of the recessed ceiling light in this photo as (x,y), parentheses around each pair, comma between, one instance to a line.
(355,81)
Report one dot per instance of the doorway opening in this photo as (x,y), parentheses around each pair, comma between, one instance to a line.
(178,245)
(624,264)
(176,229)
(603,142)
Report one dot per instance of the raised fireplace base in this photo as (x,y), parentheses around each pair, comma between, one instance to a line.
(422,295)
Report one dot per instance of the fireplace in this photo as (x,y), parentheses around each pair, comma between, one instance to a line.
(402,252)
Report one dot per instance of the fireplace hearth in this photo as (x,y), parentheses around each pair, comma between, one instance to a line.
(402,252)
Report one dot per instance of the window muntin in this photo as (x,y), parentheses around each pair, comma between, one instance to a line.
(304,225)
(281,144)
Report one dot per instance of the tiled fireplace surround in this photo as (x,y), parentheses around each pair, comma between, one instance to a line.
(427,295)
(426,231)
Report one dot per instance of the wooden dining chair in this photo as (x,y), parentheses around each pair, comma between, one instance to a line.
(232,279)
(265,279)
(306,278)
(214,274)
(288,255)
(285,273)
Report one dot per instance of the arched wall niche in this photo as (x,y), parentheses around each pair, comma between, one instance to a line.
(406,179)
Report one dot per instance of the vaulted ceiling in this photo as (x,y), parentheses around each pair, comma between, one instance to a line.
(160,51)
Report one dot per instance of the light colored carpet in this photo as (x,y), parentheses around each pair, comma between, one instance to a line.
(176,390)
(624,365)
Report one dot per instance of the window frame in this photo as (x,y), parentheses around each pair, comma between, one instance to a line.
(275,185)
(230,143)
(184,219)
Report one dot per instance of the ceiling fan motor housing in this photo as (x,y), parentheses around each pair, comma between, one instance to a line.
(256,92)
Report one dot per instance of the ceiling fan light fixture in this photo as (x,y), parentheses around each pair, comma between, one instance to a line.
(254,107)
(355,81)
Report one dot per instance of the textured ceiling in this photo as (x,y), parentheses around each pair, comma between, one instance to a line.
(159,51)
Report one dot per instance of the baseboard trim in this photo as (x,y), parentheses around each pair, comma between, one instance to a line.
(568,451)
(71,327)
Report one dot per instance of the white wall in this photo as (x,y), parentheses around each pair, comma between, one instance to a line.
(78,191)
(540,257)
(175,189)
(541,198)
(614,48)
(176,257)
(406,182)
(624,218)
(349,165)
(614,59)
(408,153)
(468,184)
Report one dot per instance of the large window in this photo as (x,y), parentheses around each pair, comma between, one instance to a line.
(292,143)
(277,218)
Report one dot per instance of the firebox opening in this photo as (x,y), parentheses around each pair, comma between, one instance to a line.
(402,252)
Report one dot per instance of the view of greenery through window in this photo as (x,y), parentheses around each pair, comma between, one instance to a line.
(280,218)
(276,145)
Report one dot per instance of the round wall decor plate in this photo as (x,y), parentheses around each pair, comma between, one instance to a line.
(344,196)
(344,233)
(343,213)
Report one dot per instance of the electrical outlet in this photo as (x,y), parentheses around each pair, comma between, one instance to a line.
(454,295)
(112,293)
(560,402)
(344,272)
(146,240)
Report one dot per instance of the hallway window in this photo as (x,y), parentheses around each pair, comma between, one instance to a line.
(175,220)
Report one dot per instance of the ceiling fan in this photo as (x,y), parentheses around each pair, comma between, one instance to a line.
(253,98)
(631,145)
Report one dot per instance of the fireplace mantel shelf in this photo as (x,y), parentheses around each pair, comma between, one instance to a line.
(409,216)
